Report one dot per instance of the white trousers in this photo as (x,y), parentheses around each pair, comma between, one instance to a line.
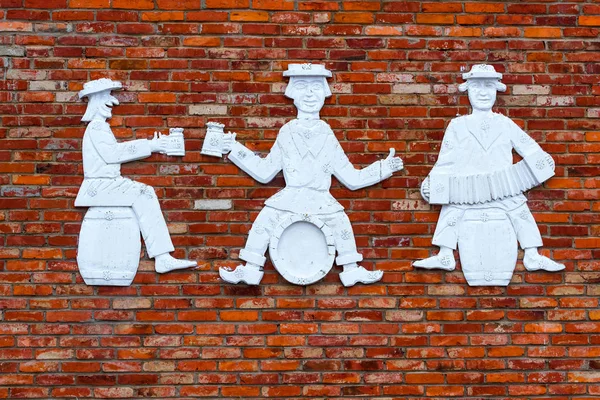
(268,219)
(446,230)
(152,223)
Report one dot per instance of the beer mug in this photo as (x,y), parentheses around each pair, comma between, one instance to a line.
(214,141)
(175,143)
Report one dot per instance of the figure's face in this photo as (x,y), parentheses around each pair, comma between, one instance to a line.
(105,101)
(482,94)
(309,94)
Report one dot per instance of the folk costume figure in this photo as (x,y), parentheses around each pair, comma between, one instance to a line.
(103,184)
(481,189)
(308,153)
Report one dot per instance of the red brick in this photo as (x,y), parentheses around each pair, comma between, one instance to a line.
(442,7)
(133,4)
(55,4)
(543,32)
(436,19)
(477,7)
(502,32)
(250,16)
(475,19)
(273,4)
(588,20)
(353,18)
(89,4)
(515,20)
(226,4)
(178,4)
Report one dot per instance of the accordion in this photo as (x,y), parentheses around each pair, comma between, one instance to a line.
(485,187)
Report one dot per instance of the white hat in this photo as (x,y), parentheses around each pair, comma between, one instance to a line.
(482,71)
(99,85)
(307,70)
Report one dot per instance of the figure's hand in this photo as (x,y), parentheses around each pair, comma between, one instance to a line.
(157,144)
(228,141)
(393,163)
(425,189)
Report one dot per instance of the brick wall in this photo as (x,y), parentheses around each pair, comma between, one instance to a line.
(396,68)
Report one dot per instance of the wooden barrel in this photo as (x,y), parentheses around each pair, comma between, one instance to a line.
(109,246)
(487,246)
(302,249)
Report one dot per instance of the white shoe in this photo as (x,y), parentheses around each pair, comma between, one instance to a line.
(538,262)
(165,263)
(250,275)
(446,262)
(359,274)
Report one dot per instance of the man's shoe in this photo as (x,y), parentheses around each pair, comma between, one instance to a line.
(446,262)
(538,262)
(165,263)
(359,274)
(243,273)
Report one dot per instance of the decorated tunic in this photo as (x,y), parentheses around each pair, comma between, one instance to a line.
(102,159)
(308,158)
(472,145)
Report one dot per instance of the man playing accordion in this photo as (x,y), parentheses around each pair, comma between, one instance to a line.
(475,170)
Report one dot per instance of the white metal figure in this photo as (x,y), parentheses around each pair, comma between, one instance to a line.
(484,210)
(103,185)
(308,152)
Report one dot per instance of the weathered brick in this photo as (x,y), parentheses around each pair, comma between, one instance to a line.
(16,26)
(212,204)
(12,51)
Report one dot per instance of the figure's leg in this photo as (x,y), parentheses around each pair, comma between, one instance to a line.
(528,235)
(348,257)
(446,238)
(155,232)
(254,251)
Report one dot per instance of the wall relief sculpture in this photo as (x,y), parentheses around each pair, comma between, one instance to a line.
(484,210)
(302,225)
(109,241)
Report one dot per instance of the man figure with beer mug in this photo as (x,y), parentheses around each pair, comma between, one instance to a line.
(103,184)
(308,152)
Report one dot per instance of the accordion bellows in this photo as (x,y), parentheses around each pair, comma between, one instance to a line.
(482,188)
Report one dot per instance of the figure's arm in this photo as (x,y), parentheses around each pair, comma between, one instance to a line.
(261,169)
(520,140)
(540,163)
(446,160)
(113,152)
(447,156)
(355,179)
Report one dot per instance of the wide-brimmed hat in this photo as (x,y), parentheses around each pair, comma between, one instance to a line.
(307,70)
(99,85)
(480,71)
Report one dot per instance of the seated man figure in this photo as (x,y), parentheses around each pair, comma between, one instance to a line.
(103,184)
(481,145)
(308,152)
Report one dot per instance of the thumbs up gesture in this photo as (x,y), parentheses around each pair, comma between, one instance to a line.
(393,163)
(390,165)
